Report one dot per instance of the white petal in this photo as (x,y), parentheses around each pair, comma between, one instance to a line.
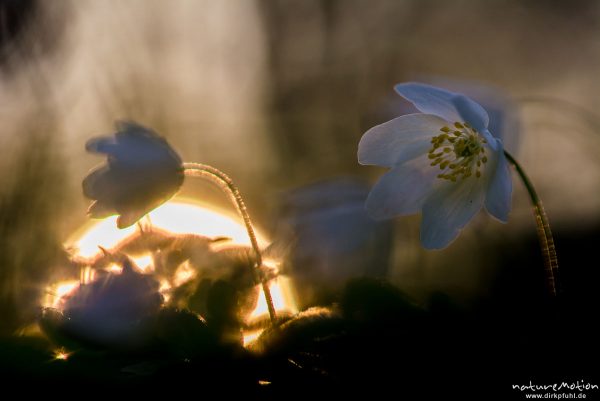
(402,190)
(430,99)
(471,112)
(128,218)
(98,184)
(447,210)
(493,142)
(399,140)
(499,191)
(101,145)
(99,210)
(503,114)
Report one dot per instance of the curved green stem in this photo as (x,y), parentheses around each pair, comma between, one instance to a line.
(224,182)
(543,227)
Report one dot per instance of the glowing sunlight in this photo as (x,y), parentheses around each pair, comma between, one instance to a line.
(178,217)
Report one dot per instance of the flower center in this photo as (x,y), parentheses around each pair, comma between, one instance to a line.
(458,152)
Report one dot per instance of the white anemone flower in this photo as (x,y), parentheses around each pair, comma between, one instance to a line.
(444,162)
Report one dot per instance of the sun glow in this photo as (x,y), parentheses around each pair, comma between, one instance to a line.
(58,292)
(61,354)
(144,263)
(176,217)
(282,298)
(183,274)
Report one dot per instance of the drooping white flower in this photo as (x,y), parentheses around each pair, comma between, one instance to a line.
(444,162)
(143,171)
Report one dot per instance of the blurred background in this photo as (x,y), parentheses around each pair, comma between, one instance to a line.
(277,93)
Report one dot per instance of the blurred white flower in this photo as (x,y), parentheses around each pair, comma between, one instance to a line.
(111,309)
(444,162)
(332,237)
(143,172)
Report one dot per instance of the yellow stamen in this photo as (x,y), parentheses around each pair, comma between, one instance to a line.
(458,152)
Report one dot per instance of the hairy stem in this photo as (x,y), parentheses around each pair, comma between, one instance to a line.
(226,184)
(543,227)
